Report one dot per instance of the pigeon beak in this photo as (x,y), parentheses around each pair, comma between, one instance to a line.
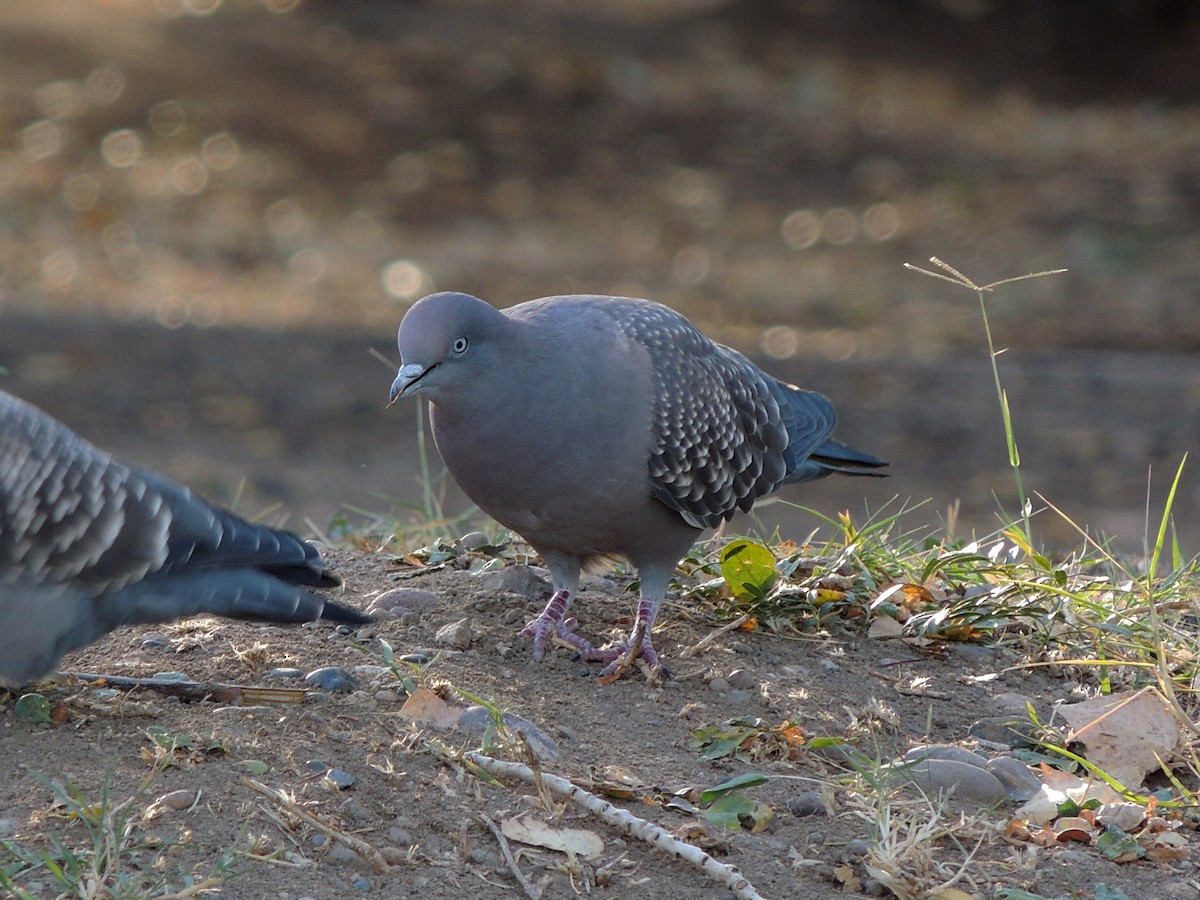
(406,380)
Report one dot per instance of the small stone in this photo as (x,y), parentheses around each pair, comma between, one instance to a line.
(339,853)
(334,679)
(969,783)
(473,540)
(944,751)
(479,719)
(401,837)
(1004,731)
(588,582)
(177,800)
(170,676)
(387,697)
(337,778)
(319,840)
(285,674)
(719,686)
(394,856)
(742,680)
(456,634)
(828,665)
(1018,779)
(807,804)
(316,765)
(362,884)
(419,657)
(520,580)
(404,599)
(153,642)
(740,697)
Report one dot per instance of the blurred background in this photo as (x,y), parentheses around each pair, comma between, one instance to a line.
(212,212)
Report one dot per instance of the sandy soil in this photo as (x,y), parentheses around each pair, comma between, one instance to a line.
(423,814)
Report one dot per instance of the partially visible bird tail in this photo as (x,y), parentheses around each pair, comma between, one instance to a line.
(834,456)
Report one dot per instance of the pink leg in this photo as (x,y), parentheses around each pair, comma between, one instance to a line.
(553,621)
(639,643)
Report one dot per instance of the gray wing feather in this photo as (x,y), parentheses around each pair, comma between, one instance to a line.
(87,544)
(719,436)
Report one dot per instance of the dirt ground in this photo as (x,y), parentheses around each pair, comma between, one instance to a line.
(423,814)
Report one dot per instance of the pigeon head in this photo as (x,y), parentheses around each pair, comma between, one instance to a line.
(441,339)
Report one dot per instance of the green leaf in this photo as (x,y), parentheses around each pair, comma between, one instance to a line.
(716,741)
(32,708)
(737,811)
(747,779)
(748,567)
(1115,843)
(254,767)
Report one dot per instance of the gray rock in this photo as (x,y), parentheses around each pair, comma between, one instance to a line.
(806,804)
(403,599)
(944,751)
(1005,731)
(479,719)
(334,679)
(966,783)
(339,778)
(520,580)
(456,634)
(1018,779)
(742,680)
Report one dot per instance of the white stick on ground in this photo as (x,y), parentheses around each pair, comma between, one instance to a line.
(652,834)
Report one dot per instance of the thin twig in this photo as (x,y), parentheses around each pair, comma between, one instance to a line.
(358,845)
(208,884)
(709,638)
(530,891)
(630,824)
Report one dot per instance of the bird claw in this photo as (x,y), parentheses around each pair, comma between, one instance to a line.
(621,657)
(547,625)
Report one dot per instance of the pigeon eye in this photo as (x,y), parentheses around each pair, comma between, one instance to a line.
(460,345)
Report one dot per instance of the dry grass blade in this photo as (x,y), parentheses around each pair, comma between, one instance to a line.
(358,845)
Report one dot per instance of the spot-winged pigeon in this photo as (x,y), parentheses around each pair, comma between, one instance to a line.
(88,544)
(607,426)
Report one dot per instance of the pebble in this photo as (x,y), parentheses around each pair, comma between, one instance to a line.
(719,685)
(829,665)
(1018,779)
(807,804)
(473,540)
(478,719)
(316,765)
(742,680)
(740,697)
(1005,731)
(394,856)
(339,779)
(969,783)
(177,800)
(403,599)
(944,751)
(520,580)
(456,634)
(170,676)
(340,853)
(419,657)
(362,884)
(333,679)
(284,673)
(319,840)
(387,697)
(153,642)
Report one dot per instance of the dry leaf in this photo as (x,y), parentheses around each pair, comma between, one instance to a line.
(1125,734)
(573,841)
(428,708)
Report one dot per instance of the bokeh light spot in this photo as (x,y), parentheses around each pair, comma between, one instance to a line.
(122,149)
(800,229)
(881,222)
(403,279)
(839,226)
